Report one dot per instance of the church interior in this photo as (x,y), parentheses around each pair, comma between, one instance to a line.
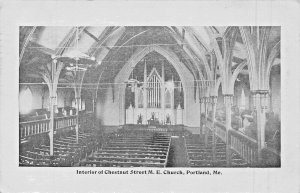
(149,96)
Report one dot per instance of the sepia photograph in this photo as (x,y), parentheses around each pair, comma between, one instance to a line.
(149,96)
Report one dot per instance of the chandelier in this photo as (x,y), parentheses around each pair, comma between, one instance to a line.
(74,59)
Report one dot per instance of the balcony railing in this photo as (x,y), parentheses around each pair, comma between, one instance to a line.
(30,128)
(64,122)
(33,127)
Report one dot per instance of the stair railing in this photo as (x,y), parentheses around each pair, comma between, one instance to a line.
(243,145)
(220,131)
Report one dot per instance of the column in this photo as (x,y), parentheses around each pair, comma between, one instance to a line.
(214,100)
(136,105)
(228,100)
(156,94)
(94,104)
(162,92)
(201,108)
(205,107)
(52,86)
(204,130)
(145,103)
(94,111)
(150,94)
(145,91)
(51,123)
(260,102)
(77,99)
(173,108)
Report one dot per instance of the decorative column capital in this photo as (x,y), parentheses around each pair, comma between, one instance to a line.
(260,98)
(207,99)
(53,99)
(202,100)
(228,99)
(260,91)
(214,99)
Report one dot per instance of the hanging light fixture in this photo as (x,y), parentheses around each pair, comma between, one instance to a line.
(74,59)
(132,81)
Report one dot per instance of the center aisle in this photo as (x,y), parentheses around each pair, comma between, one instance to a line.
(177,156)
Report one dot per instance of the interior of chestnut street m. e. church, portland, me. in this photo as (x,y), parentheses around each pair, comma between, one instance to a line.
(149,96)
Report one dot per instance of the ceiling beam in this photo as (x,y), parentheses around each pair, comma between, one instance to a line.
(91,35)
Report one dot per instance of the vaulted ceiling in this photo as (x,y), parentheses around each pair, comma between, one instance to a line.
(112,47)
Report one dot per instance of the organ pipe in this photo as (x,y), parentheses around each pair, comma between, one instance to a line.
(154,92)
(151,90)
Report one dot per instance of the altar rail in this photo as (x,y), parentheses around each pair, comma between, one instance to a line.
(170,129)
(42,126)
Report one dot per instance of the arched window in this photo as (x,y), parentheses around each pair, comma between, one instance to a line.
(140,99)
(74,103)
(82,104)
(243,100)
(168,99)
(25,101)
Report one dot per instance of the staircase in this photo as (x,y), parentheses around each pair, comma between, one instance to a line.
(201,155)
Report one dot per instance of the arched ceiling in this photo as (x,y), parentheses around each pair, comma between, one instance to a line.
(113,46)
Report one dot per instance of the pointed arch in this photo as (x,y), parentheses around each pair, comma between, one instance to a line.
(235,74)
(183,73)
(273,54)
(25,100)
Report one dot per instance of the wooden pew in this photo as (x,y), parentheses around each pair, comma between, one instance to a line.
(131,151)
(119,159)
(136,148)
(140,155)
(119,164)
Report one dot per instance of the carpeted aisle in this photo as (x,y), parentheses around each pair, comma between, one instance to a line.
(177,153)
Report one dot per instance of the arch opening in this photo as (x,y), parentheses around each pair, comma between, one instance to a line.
(25,101)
